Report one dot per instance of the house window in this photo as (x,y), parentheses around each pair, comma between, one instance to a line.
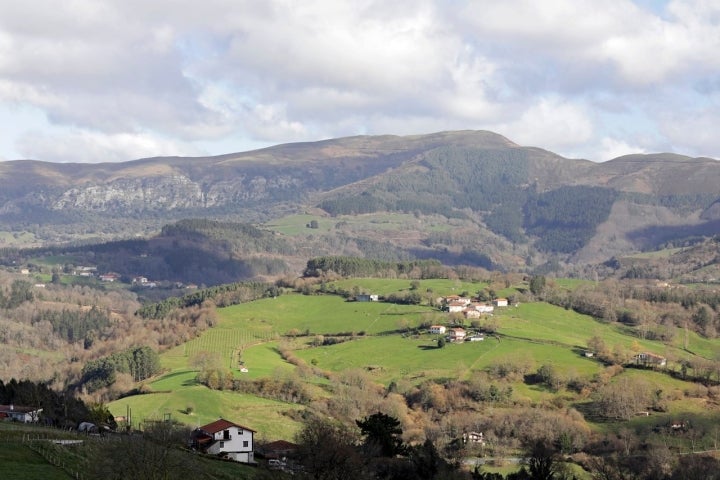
(226,434)
(222,444)
(245,443)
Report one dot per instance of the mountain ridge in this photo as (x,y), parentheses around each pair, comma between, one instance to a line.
(513,197)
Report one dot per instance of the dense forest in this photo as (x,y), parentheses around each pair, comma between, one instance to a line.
(361,267)
(494,184)
(59,408)
(138,362)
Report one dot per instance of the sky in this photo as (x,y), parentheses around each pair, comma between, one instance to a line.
(108,81)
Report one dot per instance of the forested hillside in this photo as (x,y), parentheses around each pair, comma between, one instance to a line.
(468,197)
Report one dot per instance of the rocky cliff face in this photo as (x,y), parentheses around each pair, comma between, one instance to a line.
(159,193)
(175,192)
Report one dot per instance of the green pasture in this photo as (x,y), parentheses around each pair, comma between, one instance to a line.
(417,359)
(68,279)
(670,386)
(531,335)
(297,224)
(321,314)
(549,323)
(262,321)
(260,414)
(696,345)
(264,360)
(15,239)
(17,460)
(227,338)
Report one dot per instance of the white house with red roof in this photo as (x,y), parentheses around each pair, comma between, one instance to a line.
(225,438)
(457,334)
(456,306)
(500,302)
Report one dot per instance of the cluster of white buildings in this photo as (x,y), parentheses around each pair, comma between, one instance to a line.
(470,308)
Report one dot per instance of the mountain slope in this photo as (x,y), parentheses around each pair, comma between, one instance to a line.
(490,195)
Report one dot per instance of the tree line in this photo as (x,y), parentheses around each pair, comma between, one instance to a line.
(139,362)
(59,408)
(221,295)
(365,267)
(19,292)
(75,325)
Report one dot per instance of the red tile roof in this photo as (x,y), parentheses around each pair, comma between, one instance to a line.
(222,424)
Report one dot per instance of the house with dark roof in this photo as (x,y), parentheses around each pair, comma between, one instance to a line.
(225,438)
(279,449)
(648,359)
(18,413)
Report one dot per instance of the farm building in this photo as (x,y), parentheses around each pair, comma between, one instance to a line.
(457,334)
(17,413)
(225,438)
(500,302)
(363,297)
(649,360)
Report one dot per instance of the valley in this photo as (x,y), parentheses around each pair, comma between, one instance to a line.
(306,287)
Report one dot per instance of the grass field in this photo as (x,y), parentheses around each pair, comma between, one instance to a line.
(417,359)
(20,460)
(531,333)
(17,239)
(260,414)
(566,328)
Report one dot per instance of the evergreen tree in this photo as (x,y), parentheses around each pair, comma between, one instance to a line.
(382,432)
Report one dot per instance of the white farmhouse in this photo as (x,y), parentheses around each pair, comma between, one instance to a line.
(225,438)
(17,413)
(500,302)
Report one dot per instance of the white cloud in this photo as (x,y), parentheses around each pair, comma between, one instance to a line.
(693,132)
(85,147)
(551,74)
(551,124)
(613,148)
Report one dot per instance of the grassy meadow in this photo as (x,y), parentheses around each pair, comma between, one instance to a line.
(381,341)
(17,239)
(27,454)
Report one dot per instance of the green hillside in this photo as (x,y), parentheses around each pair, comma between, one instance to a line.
(386,344)
(464,197)
(29,453)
